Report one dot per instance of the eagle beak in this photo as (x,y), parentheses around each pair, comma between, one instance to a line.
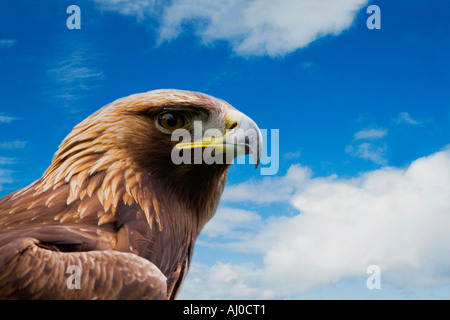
(242,136)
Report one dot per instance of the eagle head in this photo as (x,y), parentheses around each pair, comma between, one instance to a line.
(180,142)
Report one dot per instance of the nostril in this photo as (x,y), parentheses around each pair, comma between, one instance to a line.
(232,126)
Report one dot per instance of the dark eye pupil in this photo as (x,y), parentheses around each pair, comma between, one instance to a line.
(171,120)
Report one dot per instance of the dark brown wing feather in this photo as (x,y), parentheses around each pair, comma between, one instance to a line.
(121,245)
(32,272)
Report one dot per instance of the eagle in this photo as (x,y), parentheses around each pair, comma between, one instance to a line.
(116,215)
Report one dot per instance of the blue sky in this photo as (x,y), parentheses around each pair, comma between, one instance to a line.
(363,118)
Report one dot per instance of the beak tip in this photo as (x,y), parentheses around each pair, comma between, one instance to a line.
(257,156)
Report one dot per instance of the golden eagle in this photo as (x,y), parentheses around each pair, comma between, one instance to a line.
(114,216)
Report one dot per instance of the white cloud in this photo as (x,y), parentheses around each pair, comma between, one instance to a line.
(227,222)
(224,281)
(263,27)
(370,134)
(7,43)
(395,218)
(271,189)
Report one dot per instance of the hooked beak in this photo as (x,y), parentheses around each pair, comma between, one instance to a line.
(242,136)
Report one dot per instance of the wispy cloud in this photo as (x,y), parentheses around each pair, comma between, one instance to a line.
(373,150)
(75,76)
(308,66)
(292,155)
(6,119)
(16,144)
(74,71)
(405,117)
(5,177)
(7,43)
(369,151)
(4,160)
(138,8)
(6,174)
(369,134)
(397,219)
(263,27)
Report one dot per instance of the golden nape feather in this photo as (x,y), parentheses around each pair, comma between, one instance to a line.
(114,216)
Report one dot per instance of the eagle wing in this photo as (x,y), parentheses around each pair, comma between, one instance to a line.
(32,270)
(38,251)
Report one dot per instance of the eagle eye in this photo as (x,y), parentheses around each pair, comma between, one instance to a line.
(171,121)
